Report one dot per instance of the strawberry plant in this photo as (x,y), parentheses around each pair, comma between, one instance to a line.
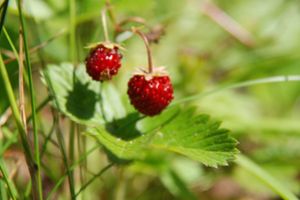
(83,117)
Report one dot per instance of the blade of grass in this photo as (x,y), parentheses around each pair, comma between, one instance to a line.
(274,79)
(71,152)
(11,188)
(10,138)
(61,142)
(48,138)
(59,136)
(16,55)
(81,143)
(21,82)
(72,41)
(227,23)
(80,160)
(13,104)
(72,7)
(39,107)
(3,193)
(38,177)
(94,178)
(27,191)
(38,47)
(11,44)
(4,10)
(265,177)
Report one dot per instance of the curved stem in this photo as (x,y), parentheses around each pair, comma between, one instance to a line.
(146,42)
(104,24)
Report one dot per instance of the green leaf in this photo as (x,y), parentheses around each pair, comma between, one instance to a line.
(182,132)
(79,97)
(112,105)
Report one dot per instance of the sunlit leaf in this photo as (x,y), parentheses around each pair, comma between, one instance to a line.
(79,97)
(185,133)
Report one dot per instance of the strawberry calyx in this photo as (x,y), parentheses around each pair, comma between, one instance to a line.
(156,72)
(106,44)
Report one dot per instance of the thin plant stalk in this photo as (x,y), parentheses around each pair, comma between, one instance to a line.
(72,30)
(2,19)
(61,142)
(94,178)
(68,162)
(11,44)
(72,147)
(16,114)
(35,48)
(39,107)
(78,162)
(81,149)
(11,188)
(16,54)
(38,176)
(21,82)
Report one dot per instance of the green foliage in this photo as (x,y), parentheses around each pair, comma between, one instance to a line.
(78,97)
(194,136)
(176,130)
(212,72)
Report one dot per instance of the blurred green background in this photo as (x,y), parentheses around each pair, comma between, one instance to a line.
(200,56)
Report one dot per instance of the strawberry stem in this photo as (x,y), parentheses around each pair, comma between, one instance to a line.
(146,42)
(110,11)
(104,24)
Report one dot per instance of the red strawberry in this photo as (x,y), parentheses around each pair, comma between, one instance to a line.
(103,62)
(150,94)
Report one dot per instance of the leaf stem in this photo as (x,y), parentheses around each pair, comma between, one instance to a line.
(33,106)
(147,45)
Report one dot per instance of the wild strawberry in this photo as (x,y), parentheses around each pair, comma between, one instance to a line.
(151,91)
(103,61)
(150,94)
